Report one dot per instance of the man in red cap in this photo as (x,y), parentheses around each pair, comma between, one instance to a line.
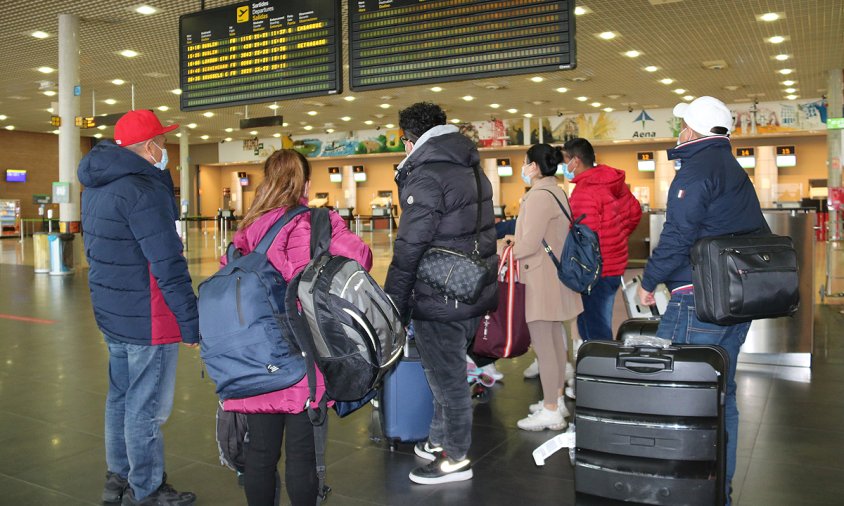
(143,301)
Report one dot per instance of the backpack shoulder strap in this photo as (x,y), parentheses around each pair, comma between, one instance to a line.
(320,232)
(271,234)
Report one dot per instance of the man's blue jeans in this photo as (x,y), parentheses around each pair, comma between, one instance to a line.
(595,322)
(681,325)
(141,385)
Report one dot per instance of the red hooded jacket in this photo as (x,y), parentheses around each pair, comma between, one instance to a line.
(611,211)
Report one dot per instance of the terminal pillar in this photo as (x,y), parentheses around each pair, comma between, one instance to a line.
(834,141)
(663,175)
(185,173)
(69,92)
(350,189)
(490,168)
(765,175)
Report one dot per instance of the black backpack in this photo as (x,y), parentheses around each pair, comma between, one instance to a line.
(579,266)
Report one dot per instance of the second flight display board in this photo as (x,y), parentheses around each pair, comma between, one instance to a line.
(407,42)
(259,51)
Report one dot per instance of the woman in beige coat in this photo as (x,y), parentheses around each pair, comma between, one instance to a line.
(548,302)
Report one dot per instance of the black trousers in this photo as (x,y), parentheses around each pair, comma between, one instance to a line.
(263,452)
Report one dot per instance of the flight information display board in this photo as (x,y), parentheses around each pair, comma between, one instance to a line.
(404,42)
(259,51)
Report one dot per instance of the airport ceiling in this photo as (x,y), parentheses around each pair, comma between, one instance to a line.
(711,47)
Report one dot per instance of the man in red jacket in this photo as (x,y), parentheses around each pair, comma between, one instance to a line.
(613,213)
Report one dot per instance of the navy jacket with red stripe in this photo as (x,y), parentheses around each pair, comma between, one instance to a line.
(140,286)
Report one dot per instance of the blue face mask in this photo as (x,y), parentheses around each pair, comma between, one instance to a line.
(566,172)
(162,164)
(525,177)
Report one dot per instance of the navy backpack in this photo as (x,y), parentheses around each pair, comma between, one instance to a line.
(579,266)
(242,323)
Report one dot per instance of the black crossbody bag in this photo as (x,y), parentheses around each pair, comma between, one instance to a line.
(453,273)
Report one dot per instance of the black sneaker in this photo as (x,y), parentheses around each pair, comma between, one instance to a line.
(442,470)
(114,488)
(166,495)
(427,451)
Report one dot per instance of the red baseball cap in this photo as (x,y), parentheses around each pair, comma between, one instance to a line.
(138,126)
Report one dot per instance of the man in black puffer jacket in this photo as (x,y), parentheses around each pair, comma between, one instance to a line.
(439,198)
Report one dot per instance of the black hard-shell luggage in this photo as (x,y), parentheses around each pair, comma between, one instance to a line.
(650,422)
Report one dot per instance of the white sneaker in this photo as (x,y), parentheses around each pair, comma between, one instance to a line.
(570,392)
(532,370)
(561,407)
(492,371)
(543,419)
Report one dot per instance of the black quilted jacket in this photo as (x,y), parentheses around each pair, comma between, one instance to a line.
(438,197)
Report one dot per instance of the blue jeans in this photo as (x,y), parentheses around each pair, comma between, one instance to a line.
(141,384)
(595,322)
(442,347)
(681,325)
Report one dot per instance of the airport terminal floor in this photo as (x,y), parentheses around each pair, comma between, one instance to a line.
(53,382)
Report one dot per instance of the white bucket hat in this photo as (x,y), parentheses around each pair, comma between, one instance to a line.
(705,113)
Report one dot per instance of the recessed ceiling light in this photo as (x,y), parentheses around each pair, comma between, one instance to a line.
(49,109)
(117,82)
(561,90)
(228,139)
(10,127)
(177,91)
(40,35)
(128,53)
(581,10)
(349,98)
(666,81)
(346,118)
(163,108)
(229,130)
(146,10)
(101,127)
(791,97)
(608,109)
(596,104)
(208,114)
(179,134)
(512,111)
(46,70)
(390,125)
(204,137)
(688,98)
(785,72)
(308,127)
(781,57)
(455,120)
(651,68)
(537,79)
(273,106)
(495,106)
(55,132)
(776,39)
(312,113)
(731,87)
(679,91)
(789,83)
(50,93)
(528,115)
(607,35)
(769,16)
(384,106)
(110,101)
(276,135)
(285,124)
(582,99)
(98,136)
(436,89)
(253,132)
(191,125)
(368,122)
(632,54)
(468,98)
(3,117)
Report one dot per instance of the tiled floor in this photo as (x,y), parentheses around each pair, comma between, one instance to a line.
(53,382)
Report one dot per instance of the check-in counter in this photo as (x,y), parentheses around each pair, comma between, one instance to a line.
(780,341)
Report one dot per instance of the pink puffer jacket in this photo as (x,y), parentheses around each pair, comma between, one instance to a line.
(290,253)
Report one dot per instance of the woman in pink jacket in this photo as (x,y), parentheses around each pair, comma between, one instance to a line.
(286,183)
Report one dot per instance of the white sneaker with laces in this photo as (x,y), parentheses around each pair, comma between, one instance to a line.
(561,407)
(543,419)
(493,371)
(532,370)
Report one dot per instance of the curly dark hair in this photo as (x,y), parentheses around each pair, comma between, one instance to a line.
(419,118)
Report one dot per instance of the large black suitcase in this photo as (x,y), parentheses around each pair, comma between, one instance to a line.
(650,422)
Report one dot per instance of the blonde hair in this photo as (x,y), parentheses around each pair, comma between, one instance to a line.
(285,173)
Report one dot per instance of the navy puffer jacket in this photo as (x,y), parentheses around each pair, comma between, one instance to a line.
(140,286)
(439,199)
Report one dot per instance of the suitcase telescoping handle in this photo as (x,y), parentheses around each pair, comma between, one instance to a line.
(640,361)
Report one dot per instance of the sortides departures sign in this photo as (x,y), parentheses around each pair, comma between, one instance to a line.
(259,52)
(405,42)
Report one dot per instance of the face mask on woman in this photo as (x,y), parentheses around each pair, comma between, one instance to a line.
(525,177)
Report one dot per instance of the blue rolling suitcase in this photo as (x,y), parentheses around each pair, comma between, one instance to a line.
(405,401)
(650,421)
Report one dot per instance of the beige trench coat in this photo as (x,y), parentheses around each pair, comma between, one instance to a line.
(546,297)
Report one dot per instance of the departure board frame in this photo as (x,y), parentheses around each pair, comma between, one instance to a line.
(394,43)
(260,51)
